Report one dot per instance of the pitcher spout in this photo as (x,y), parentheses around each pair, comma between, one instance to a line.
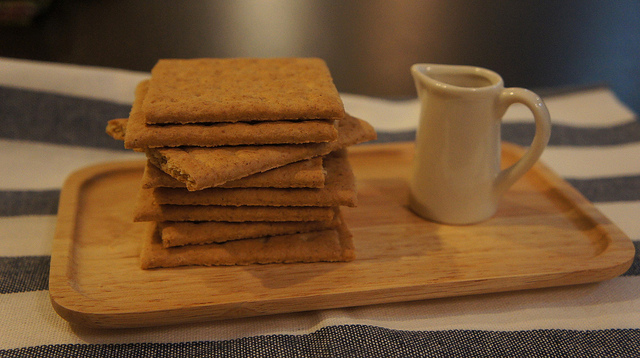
(421,73)
(454,78)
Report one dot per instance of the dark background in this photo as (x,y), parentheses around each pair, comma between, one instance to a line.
(368,44)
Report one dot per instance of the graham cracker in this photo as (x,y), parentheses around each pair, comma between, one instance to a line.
(241,89)
(147,209)
(307,173)
(201,168)
(317,246)
(206,232)
(139,134)
(116,128)
(339,190)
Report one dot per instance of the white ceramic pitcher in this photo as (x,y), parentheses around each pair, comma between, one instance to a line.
(456,176)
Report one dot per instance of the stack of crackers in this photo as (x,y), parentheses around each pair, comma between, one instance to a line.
(246,162)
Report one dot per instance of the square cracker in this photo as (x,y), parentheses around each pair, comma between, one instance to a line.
(146,209)
(175,233)
(307,173)
(339,189)
(138,134)
(201,168)
(317,246)
(241,89)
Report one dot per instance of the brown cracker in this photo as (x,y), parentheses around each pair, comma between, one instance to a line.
(148,210)
(317,246)
(201,168)
(206,232)
(307,173)
(339,189)
(116,128)
(241,89)
(139,134)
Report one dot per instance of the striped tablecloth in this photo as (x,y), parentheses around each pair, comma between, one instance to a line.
(52,120)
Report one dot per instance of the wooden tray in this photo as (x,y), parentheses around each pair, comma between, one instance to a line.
(544,234)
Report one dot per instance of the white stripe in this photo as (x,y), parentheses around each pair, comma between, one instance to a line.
(593,108)
(83,81)
(29,319)
(37,166)
(625,215)
(592,162)
(597,107)
(606,305)
(27,235)
(383,115)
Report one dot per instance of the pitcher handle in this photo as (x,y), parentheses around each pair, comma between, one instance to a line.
(510,96)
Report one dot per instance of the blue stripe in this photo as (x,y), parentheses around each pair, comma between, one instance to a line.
(371,341)
(24,274)
(561,135)
(29,202)
(390,137)
(599,190)
(54,118)
(634,270)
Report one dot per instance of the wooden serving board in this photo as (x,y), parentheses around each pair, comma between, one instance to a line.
(544,234)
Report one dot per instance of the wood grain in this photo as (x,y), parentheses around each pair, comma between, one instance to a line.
(544,234)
